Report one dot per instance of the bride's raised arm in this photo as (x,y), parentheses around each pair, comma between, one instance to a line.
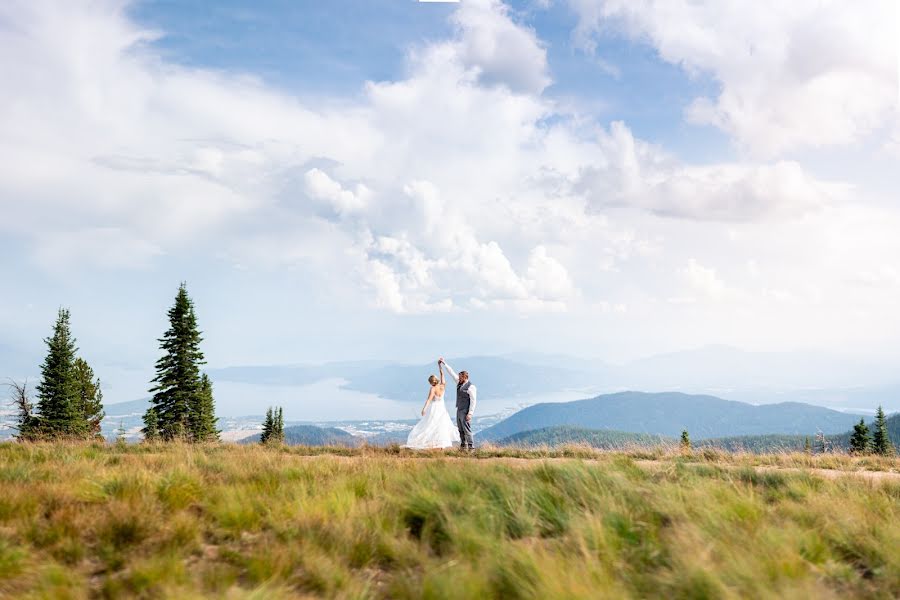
(441,369)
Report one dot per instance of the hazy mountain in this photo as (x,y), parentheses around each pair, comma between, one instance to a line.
(499,377)
(610,439)
(754,377)
(670,413)
(295,374)
(310,435)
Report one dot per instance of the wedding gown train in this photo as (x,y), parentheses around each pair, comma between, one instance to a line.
(435,429)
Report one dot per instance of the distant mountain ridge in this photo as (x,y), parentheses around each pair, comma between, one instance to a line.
(753,377)
(669,413)
(611,440)
(310,435)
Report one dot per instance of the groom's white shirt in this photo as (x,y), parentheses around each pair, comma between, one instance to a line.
(472,390)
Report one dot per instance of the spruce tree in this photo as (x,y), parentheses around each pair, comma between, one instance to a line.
(203,425)
(268,427)
(881,443)
(685,441)
(806,446)
(859,440)
(90,399)
(279,426)
(273,427)
(151,426)
(58,390)
(178,392)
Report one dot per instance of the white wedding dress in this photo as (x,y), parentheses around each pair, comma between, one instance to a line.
(435,430)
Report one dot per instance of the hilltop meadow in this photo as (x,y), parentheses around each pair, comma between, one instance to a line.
(94,520)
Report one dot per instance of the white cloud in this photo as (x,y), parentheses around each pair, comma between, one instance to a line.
(804,73)
(704,280)
(501,50)
(320,186)
(634,173)
(547,277)
(458,187)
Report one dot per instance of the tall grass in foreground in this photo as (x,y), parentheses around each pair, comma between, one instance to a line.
(246,521)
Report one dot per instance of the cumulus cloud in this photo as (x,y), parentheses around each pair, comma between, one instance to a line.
(457,186)
(319,186)
(435,261)
(794,74)
(501,50)
(637,174)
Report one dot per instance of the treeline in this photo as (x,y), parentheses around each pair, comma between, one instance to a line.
(879,437)
(70,401)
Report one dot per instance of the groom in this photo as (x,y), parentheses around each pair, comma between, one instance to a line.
(465,405)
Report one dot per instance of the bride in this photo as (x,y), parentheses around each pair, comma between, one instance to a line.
(435,430)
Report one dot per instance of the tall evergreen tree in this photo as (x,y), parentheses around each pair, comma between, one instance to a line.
(151,426)
(58,390)
(278,434)
(859,440)
(268,427)
(203,423)
(90,399)
(273,427)
(178,392)
(806,446)
(881,443)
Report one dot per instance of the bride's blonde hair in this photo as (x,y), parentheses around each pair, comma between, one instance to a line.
(433,380)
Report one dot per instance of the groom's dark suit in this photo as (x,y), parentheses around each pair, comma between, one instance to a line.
(465,407)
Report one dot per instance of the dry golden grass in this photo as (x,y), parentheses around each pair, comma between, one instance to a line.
(93,520)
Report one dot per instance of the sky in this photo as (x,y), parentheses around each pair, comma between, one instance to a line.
(392,179)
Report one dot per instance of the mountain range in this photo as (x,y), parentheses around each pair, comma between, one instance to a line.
(670,413)
(755,377)
(610,439)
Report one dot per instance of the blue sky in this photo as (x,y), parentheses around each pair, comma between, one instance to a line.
(330,48)
(360,179)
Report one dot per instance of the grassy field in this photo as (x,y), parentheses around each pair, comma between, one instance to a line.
(81,521)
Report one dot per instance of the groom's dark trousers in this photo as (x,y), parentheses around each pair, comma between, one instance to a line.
(466,442)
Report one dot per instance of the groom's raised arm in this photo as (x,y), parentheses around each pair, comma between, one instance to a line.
(452,372)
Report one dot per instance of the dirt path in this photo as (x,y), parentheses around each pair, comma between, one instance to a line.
(825,473)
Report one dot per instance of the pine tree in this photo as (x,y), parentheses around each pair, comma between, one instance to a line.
(859,440)
(203,425)
(273,427)
(58,390)
(685,441)
(90,399)
(806,446)
(268,427)
(278,434)
(178,393)
(881,443)
(151,426)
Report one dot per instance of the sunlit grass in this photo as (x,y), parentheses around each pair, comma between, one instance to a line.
(177,521)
